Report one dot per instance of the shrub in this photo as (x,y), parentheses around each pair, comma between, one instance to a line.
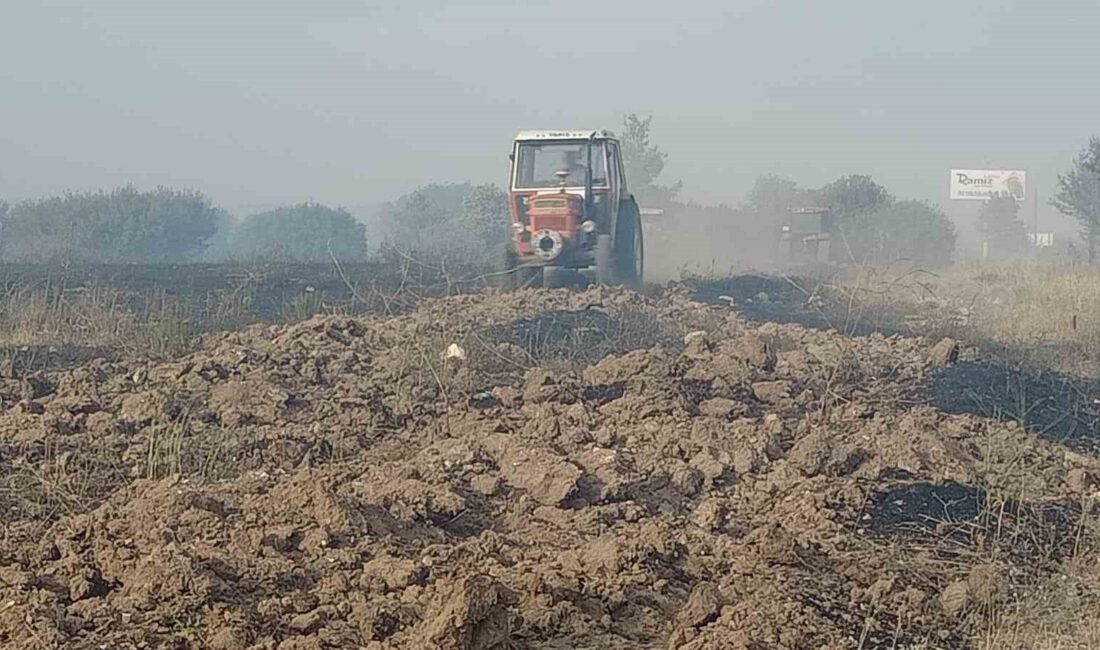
(911,230)
(122,226)
(301,233)
(448,220)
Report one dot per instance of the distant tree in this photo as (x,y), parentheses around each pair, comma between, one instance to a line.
(898,230)
(123,226)
(852,195)
(774,196)
(1078,194)
(302,233)
(1000,225)
(849,199)
(484,214)
(415,219)
(644,163)
(457,220)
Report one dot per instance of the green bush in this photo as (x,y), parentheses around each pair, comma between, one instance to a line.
(302,233)
(911,230)
(122,226)
(448,220)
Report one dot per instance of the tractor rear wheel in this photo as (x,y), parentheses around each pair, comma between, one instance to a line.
(629,250)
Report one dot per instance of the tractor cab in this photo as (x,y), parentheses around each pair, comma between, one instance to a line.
(567,201)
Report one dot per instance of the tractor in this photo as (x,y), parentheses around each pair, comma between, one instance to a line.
(804,237)
(571,212)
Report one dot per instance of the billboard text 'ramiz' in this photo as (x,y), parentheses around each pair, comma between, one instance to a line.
(982,184)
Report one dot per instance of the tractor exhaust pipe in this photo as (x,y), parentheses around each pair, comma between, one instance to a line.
(585,208)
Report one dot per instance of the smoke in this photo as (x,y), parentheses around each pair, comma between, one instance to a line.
(693,239)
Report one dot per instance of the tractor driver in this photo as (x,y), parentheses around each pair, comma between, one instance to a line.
(575,166)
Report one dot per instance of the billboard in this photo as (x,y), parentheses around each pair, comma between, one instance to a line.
(1041,239)
(981,184)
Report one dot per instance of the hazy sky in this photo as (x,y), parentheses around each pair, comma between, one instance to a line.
(258,102)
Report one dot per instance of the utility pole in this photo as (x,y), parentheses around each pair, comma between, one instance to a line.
(1036,214)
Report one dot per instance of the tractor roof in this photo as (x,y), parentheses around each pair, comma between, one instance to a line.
(566,134)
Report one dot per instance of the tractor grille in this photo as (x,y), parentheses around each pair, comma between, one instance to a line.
(551,203)
(552,222)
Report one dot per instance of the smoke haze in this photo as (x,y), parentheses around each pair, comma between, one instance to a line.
(354,103)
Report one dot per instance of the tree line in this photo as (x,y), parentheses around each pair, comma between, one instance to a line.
(870,224)
(440,221)
(164,225)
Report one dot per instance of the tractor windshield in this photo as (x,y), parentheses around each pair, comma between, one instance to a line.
(538,163)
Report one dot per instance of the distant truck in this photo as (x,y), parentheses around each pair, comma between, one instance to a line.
(804,236)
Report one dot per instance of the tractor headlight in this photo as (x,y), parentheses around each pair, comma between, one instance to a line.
(518,228)
(588,226)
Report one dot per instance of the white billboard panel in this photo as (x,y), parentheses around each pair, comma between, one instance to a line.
(1041,239)
(981,184)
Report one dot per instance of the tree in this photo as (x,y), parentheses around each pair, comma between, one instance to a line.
(308,233)
(415,219)
(644,162)
(898,230)
(456,220)
(123,226)
(484,215)
(852,195)
(773,196)
(849,199)
(999,223)
(1078,194)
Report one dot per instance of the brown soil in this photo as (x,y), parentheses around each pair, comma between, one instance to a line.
(651,474)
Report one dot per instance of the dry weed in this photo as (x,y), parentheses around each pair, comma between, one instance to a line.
(1033,315)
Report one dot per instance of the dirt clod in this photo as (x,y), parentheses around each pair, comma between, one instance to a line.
(944,353)
(595,472)
(471,615)
(772,392)
(702,606)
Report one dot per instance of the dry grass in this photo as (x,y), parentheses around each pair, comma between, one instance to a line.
(94,317)
(1060,613)
(1061,608)
(154,323)
(1038,315)
(158,311)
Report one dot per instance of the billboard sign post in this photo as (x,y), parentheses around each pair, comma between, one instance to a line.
(983,184)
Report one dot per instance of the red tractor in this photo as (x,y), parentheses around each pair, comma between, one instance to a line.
(571,210)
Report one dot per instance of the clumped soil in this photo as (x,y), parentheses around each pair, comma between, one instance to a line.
(542,469)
